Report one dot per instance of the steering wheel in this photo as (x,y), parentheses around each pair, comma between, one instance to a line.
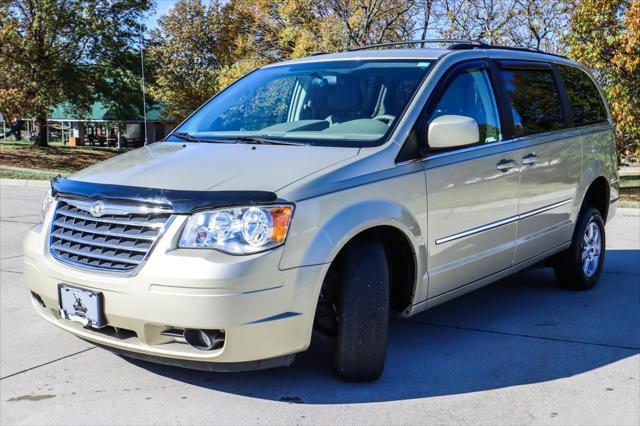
(385,118)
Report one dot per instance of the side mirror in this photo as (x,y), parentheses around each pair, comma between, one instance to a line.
(452,131)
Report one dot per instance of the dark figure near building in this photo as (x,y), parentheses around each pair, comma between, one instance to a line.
(16,128)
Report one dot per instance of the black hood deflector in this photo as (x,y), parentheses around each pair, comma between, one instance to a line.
(179,201)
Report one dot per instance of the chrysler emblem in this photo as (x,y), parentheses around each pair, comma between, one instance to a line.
(97,209)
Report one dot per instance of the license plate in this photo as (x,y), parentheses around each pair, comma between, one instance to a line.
(81,305)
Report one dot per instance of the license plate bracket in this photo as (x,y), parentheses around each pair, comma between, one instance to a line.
(81,305)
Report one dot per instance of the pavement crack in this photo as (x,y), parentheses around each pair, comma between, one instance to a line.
(18,221)
(11,257)
(46,363)
(529,336)
(13,272)
(20,215)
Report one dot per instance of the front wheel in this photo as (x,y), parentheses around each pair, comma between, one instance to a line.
(580,266)
(362,312)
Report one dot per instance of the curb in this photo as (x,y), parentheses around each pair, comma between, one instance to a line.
(629,171)
(33,183)
(627,211)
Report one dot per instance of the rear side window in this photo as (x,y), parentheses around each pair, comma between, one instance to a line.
(586,103)
(535,100)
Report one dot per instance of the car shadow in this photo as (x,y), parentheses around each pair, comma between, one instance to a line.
(521,330)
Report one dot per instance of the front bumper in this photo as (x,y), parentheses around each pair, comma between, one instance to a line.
(264,312)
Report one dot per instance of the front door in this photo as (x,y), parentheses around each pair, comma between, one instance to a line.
(472,193)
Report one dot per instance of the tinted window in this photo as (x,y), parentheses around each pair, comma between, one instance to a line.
(586,103)
(535,101)
(470,94)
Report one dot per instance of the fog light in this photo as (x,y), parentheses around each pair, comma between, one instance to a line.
(204,340)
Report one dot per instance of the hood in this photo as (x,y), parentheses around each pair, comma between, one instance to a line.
(214,166)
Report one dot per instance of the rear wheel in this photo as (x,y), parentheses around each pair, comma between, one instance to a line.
(580,266)
(361,300)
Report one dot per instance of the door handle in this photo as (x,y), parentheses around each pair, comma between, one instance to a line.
(530,159)
(506,165)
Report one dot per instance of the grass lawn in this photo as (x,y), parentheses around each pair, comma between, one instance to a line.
(45,163)
(630,191)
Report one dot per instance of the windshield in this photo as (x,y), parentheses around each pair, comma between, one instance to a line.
(330,103)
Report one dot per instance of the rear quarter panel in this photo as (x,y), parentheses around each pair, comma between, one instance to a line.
(599,159)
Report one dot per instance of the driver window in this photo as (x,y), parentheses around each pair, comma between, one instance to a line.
(470,94)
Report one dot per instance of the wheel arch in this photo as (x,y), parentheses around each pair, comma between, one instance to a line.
(401,261)
(595,187)
(597,195)
(389,222)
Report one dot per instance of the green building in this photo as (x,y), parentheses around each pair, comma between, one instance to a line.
(100,128)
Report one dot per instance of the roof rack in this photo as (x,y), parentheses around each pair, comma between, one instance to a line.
(495,46)
(424,41)
(456,44)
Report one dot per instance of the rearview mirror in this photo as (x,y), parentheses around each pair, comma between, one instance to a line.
(452,131)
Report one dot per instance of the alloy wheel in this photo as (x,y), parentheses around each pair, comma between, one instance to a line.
(591,249)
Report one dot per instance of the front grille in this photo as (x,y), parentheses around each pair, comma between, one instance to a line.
(112,242)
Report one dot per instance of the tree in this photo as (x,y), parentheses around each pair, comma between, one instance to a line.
(188,46)
(427,10)
(76,51)
(538,24)
(203,47)
(375,21)
(605,35)
(483,20)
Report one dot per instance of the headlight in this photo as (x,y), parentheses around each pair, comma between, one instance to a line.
(239,230)
(47,202)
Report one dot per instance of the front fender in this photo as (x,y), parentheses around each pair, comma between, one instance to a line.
(317,240)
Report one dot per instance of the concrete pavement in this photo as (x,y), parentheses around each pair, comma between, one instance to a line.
(521,351)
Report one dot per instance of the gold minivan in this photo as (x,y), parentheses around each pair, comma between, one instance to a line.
(326,194)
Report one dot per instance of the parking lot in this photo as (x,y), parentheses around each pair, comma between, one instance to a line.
(520,351)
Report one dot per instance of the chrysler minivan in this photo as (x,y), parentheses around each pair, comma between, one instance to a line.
(323,195)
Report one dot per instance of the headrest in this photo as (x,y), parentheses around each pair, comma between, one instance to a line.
(345,98)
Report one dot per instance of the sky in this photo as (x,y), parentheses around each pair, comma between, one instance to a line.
(162,7)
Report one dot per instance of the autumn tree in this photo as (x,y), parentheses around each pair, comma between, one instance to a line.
(75,51)
(540,24)
(529,23)
(482,20)
(605,36)
(188,46)
(375,21)
(203,47)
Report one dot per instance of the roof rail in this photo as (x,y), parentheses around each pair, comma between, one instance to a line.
(425,41)
(455,44)
(495,46)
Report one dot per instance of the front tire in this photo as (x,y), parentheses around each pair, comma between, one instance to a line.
(362,312)
(580,266)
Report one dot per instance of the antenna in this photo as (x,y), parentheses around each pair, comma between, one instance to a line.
(144,94)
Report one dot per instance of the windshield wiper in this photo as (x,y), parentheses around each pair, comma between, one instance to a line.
(263,141)
(189,138)
(234,139)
